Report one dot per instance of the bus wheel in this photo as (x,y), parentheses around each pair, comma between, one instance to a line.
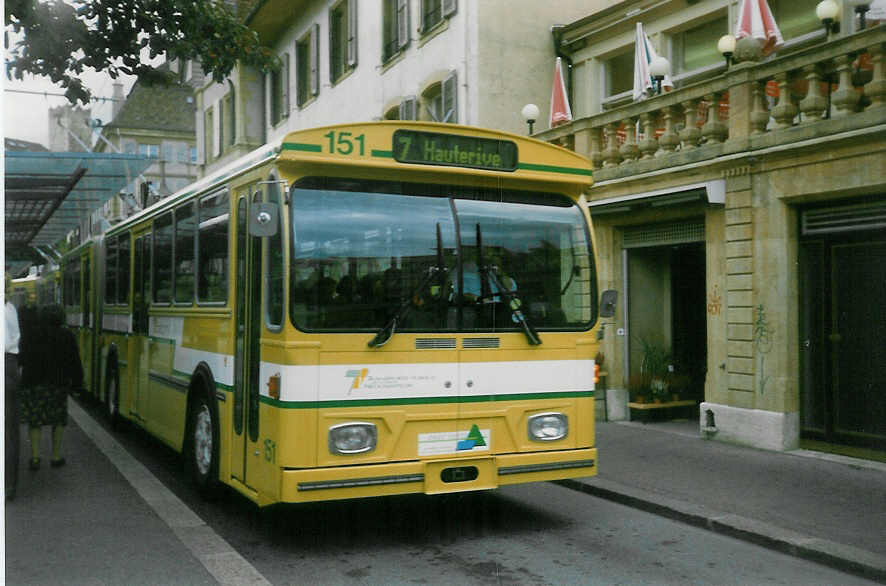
(203,440)
(112,398)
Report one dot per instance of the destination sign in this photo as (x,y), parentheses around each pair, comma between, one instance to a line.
(432,148)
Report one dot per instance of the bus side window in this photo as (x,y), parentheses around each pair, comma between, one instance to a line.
(212,248)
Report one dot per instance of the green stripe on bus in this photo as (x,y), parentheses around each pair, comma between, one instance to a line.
(301,146)
(421,400)
(383,154)
(554,169)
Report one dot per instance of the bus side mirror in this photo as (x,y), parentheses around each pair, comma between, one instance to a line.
(264,219)
(607,302)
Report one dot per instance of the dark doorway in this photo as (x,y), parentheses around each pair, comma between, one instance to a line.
(690,317)
(667,310)
(842,328)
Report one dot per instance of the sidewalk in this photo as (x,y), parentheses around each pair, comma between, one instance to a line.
(830,509)
(104,519)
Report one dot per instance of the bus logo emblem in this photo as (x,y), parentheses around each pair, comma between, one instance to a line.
(357,376)
(474,440)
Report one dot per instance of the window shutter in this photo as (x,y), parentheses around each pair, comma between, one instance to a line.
(216,143)
(331,35)
(232,117)
(315,59)
(284,83)
(449,7)
(352,33)
(267,98)
(220,115)
(449,93)
(402,23)
(407,108)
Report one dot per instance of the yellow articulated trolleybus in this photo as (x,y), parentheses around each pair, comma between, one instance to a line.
(359,310)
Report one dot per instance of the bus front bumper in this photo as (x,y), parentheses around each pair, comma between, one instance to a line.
(440,476)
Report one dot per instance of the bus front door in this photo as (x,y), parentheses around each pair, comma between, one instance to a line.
(245,450)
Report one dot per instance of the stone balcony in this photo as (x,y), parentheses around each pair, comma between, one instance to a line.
(827,90)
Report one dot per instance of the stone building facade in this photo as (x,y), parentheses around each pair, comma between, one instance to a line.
(475,63)
(741,218)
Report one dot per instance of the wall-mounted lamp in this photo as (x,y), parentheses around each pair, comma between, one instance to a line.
(726,47)
(828,12)
(530,115)
(659,68)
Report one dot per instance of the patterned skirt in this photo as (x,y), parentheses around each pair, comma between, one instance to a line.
(44,405)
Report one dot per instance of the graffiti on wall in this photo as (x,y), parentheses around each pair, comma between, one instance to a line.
(714,301)
(762,343)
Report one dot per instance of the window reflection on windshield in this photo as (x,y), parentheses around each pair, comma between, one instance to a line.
(362,252)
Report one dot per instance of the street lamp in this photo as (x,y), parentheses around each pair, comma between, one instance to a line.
(726,47)
(659,68)
(530,115)
(828,13)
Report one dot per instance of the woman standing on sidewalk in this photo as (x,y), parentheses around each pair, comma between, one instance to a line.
(52,370)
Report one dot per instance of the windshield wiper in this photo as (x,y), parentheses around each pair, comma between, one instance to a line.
(514,303)
(387,332)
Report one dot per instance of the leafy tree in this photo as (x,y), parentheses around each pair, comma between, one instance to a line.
(62,39)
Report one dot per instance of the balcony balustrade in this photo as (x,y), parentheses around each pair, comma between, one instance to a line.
(818,92)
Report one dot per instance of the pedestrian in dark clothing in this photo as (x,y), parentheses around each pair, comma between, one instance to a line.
(12,337)
(56,370)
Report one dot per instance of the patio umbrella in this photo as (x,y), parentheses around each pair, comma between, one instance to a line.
(644,53)
(560,111)
(756,20)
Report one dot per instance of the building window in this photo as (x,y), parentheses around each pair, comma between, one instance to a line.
(696,48)
(434,11)
(152,151)
(408,109)
(193,154)
(342,39)
(440,100)
(620,73)
(395,28)
(279,91)
(307,66)
(795,18)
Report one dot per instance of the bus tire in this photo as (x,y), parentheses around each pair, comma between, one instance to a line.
(202,442)
(112,396)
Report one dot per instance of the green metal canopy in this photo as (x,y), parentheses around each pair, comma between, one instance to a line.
(48,194)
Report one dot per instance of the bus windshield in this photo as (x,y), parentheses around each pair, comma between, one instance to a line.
(366,252)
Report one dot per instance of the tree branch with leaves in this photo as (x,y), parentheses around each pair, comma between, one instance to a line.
(61,40)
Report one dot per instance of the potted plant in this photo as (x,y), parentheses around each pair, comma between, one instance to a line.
(638,389)
(656,367)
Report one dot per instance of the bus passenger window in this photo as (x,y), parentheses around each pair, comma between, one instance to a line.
(162,259)
(212,248)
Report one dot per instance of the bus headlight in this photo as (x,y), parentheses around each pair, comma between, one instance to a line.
(547,427)
(352,438)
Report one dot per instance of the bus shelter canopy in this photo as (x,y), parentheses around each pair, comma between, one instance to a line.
(48,194)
